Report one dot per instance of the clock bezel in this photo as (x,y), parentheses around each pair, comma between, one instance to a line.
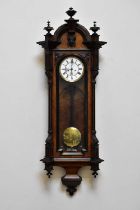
(82,63)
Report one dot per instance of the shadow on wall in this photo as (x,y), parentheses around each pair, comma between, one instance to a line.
(40,60)
(58,172)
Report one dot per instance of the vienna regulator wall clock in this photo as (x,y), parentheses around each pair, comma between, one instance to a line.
(71,65)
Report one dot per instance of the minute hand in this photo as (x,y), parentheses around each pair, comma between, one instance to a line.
(71,67)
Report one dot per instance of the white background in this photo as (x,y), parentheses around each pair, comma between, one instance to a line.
(23,107)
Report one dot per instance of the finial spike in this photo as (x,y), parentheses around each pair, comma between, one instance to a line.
(48,22)
(94,23)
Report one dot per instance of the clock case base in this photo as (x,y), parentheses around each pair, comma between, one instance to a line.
(71,179)
(71,182)
(72,43)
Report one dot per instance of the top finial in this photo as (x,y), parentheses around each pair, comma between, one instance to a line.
(71,12)
(94,28)
(48,28)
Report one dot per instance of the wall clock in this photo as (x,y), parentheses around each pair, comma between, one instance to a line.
(71,65)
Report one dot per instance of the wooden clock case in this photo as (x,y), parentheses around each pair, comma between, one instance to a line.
(71,103)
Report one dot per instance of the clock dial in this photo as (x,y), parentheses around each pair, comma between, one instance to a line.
(71,69)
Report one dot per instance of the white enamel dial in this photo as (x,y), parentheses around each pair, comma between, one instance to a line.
(71,69)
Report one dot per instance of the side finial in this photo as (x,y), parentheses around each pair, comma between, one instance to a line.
(48,28)
(94,28)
